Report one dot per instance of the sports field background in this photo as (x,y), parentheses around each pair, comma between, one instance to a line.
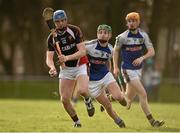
(33,105)
(49,115)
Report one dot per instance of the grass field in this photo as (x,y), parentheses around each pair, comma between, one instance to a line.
(49,115)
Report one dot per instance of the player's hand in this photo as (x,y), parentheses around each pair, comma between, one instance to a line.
(116,72)
(52,72)
(54,33)
(138,61)
(62,58)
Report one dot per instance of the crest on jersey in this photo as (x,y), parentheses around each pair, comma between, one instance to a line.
(102,54)
(107,55)
(135,39)
(64,40)
(70,38)
(141,40)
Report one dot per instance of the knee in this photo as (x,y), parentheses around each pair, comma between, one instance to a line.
(83,92)
(118,97)
(143,95)
(65,100)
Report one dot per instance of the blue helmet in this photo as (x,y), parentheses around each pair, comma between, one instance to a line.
(59,15)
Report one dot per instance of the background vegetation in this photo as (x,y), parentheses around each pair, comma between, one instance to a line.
(23,31)
(29,99)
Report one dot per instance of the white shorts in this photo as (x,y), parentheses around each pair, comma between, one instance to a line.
(129,75)
(96,87)
(73,72)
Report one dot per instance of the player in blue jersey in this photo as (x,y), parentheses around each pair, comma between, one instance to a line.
(99,53)
(130,46)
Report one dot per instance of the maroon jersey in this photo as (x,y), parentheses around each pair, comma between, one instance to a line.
(68,43)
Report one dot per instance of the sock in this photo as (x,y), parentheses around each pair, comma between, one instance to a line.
(87,99)
(78,122)
(150,118)
(118,120)
(75,118)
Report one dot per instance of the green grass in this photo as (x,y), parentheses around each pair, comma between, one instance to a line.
(49,115)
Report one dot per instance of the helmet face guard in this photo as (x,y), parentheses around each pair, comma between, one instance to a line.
(104,27)
(133,16)
(59,15)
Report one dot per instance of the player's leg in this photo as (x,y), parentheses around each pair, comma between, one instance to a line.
(75,95)
(114,89)
(83,85)
(109,97)
(138,87)
(130,95)
(103,100)
(66,87)
(127,76)
(111,85)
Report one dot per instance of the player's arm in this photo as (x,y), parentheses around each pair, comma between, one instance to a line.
(110,65)
(80,53)
(149,47)
(116,56)
(50,51)
(50,63)
(49,59)
(80,46)
(83,48)
(150,51)
(117,47)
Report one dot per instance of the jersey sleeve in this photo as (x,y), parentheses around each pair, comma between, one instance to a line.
(88,45)
(147,41)
(50,43)
(79,35)
(112,51)
(119,41)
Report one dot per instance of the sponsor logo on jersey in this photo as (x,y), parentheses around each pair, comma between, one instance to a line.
(68,47)
(137,48)
(97,62)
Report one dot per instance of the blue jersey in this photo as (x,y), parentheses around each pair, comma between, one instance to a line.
(98,58)
(132,47)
